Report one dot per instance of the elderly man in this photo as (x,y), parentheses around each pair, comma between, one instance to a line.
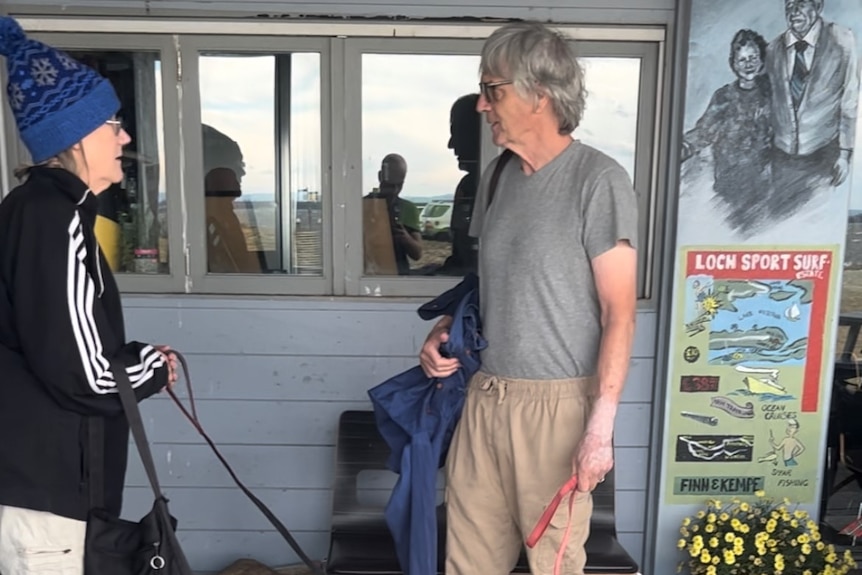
(815,90)
(557,268)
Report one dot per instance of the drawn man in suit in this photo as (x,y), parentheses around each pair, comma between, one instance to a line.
(815,88)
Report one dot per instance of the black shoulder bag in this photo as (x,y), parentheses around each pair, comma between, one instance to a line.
(116,546)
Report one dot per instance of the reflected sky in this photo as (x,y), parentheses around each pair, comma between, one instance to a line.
(406,100)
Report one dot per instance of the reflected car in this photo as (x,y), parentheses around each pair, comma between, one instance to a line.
(436,217)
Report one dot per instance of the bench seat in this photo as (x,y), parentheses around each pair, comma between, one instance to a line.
(360,541)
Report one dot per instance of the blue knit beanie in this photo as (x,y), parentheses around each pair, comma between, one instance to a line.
(56,100)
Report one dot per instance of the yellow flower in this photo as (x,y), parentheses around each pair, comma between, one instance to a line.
(709,528)
(760,493)
(800,514)
(713,542)
(716,560)
(724,517)
(710,518)
(806,549)
(729,557)
(735,523)
(729,537)
(803,538)
(700,514)
(794,523)
(744,507)
(705,556)
(683,531)
(686,522)
(771,525)
(681,543)
(710,570)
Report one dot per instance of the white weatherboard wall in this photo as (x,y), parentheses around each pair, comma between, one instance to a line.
(272,375)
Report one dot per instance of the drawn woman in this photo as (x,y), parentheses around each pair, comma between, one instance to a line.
(737,127)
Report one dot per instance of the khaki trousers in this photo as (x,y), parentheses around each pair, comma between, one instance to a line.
(512,450)
(36,542)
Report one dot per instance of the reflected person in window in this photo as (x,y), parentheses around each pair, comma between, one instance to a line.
(227,247)
(61,318)
(403,214)
(557,280)
(464,129)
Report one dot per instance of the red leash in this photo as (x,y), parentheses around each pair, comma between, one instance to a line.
(568,488)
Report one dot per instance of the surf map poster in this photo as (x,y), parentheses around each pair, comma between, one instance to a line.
(749,362)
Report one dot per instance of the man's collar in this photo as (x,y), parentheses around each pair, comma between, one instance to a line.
(811,38)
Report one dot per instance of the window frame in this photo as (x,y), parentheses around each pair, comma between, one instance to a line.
(340,45)
(260,284)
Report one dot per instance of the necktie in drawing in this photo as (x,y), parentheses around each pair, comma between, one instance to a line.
(800,73)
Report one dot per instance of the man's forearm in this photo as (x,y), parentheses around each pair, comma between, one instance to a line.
(612,370)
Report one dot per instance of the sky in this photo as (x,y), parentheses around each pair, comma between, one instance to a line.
(406,100)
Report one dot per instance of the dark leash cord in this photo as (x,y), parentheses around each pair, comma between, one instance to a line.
(192,416)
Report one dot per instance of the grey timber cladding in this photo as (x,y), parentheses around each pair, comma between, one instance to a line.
(271,378)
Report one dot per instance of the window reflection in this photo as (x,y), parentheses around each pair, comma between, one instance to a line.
(261,137)
(132,221)
(611,115)
(437,132)
(409,225)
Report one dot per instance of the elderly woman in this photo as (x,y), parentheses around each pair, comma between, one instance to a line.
(557,269)
(737,128)
(62,428)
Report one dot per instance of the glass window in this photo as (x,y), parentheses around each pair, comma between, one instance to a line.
(420,153)
(420,162)
(132,223)
(261,130)
(611,115)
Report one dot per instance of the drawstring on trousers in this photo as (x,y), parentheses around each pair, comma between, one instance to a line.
(493,383)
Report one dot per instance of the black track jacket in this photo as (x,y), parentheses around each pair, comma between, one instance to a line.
(61,322)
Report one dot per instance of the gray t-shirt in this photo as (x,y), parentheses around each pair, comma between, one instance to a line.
(539,306)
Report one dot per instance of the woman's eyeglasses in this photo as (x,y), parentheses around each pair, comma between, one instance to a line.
(117,125)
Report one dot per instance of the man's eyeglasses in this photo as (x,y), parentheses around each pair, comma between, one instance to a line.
(488,89)
(117,125)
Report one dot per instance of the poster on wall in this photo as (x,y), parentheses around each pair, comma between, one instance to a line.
(768,169)
(770,125)
(747,376)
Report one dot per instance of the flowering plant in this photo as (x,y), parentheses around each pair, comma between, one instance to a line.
(760,537)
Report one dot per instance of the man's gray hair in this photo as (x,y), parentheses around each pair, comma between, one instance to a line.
(539,61)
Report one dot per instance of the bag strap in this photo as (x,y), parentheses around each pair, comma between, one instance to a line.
(136,424)
(495,176)
(192,416)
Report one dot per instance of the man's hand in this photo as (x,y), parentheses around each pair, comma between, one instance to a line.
(400,233)
(170,361)
(434,364)
(592,460)
(841,169)
(594,457)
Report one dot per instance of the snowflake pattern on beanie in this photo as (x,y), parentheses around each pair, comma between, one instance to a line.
(56,101)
